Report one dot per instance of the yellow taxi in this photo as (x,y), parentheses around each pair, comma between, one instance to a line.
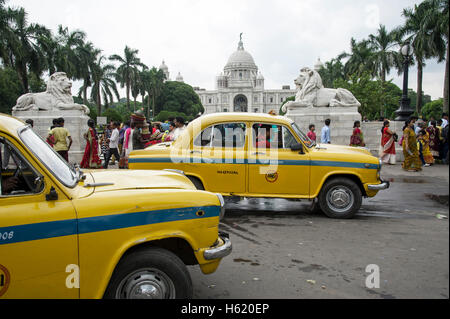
(67,233)
(263,155)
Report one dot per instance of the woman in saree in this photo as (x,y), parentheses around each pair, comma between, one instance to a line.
(412,161)
(357,138)
(90,157)
(424,139)
(435,139)
(387,150)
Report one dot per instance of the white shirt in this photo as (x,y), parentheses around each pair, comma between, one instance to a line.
(444,123)
(114,139)
(177,132)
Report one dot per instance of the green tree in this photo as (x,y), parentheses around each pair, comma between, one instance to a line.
(103,84)
(331,71)
(425,44)
(361,59)
(433,109)
(24,46)
(112,115)
(436,19)
(290,98)
(10,89)
(372,95)
(179,97)
(128,64)
(384,57)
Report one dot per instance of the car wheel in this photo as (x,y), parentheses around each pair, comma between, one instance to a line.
(340,198)
(152,273)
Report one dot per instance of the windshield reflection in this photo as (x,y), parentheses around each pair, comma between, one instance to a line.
(47,155)
(305,139)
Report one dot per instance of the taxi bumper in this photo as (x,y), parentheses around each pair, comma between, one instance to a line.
(221,249)
(378,187)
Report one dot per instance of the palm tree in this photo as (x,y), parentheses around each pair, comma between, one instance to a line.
(436,19)
(384,57)
(136,85)
(88,56)
(103,83)
(155,85)
(68,57)
(331,71)
(361,59)
(128,63)
(420,36)
(24,46)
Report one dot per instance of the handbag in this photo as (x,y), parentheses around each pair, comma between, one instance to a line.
(395,136)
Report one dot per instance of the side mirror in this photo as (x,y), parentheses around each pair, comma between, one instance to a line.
(297,147)
(53,195)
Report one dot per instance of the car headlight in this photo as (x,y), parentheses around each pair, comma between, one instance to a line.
(222,206)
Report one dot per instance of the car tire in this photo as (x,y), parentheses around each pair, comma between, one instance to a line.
(153,273)
(340,198)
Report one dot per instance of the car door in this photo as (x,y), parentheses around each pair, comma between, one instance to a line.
(218,156)
(38,238)
(273,168)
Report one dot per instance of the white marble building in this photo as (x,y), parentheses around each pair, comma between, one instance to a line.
(240,88)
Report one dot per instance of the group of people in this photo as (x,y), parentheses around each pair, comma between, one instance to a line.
(119,139)
(424,142)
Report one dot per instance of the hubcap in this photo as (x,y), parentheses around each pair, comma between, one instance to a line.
(146,284)
(340,199)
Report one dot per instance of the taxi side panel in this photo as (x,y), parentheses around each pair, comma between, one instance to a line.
(108,230)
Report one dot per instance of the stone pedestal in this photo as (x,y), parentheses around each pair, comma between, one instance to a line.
(342,119)
(75,121)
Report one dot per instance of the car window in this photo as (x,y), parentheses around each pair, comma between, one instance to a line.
(222,135)
(47,155)
(18,176)
(272,136)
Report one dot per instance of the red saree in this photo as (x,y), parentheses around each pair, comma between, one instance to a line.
(90,157)
(387,151)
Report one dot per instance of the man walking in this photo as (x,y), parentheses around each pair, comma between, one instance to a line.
(113,144)
(60,135)
(179,123)
(325,136)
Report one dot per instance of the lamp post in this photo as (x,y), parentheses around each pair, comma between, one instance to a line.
(405,111)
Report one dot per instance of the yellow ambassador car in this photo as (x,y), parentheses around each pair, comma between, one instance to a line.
(262,155)
(67,233)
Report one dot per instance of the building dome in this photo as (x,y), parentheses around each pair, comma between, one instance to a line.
(163,66)
(179,78)
(260,76)
(240,58)
(318,65)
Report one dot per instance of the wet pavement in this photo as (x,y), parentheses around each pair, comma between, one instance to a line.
(282,250)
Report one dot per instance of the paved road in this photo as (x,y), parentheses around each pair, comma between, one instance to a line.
(282,251)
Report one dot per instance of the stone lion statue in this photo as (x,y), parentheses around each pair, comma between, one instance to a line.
(57,97)
(311,92)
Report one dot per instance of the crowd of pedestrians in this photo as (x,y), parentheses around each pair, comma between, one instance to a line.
(117,140)
(424,142)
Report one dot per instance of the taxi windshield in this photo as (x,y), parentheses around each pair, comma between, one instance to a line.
(305,139)
(52,160)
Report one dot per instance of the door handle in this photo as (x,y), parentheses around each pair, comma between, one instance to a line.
(259,153)
(192,152)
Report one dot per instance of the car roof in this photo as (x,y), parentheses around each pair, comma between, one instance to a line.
(242,116)
(10,124)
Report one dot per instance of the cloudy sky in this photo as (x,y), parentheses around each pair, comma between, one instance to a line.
(196,37)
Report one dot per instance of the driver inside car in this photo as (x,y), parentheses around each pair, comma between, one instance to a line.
(7,184)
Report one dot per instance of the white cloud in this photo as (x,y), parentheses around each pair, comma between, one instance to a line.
(196,37)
